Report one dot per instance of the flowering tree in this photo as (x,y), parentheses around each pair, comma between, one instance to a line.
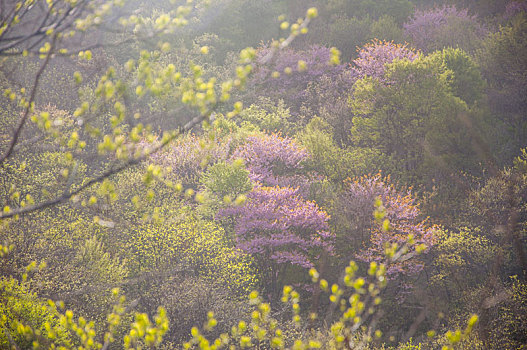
(442,27)
(374,56)
(273,160)
(280,229)
(277,225)
(398,219)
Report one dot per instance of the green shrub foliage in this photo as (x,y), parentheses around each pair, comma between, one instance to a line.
(196,174)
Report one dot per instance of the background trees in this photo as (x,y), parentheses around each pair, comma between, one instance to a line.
(501,51)
(177,152)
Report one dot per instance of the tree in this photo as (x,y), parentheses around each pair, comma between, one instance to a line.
(445,26)
(292,71)
(19,303)
(500,208)
(113,96)
(399,218)
(413,118)
(467,82)
(277,225)
(374,56)
(54,162)
(273,160)
(328,99)
(503,64)
(280,230)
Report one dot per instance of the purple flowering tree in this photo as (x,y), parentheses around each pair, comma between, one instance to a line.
(282,231)
(373,58)
(273,160)
(403,213)
(444,27)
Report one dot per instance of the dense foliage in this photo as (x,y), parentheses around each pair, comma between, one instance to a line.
(263,174)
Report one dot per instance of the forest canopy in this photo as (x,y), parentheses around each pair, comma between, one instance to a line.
(250,174)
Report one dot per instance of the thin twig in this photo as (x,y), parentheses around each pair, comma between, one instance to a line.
(136,161)
(29,108)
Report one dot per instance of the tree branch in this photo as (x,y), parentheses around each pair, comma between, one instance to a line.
(106,174)
(29,108)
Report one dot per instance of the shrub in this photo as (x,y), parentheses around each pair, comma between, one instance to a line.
(20,308)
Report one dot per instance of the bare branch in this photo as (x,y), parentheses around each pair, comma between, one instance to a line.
(28,109)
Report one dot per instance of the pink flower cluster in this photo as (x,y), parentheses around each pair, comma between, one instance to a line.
(374,56)
(276,224)
(405,219)
(273,160)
